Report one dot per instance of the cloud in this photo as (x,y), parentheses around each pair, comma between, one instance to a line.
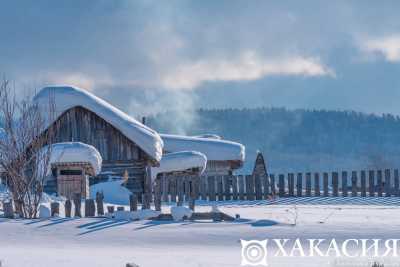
(248,67)
(388,47)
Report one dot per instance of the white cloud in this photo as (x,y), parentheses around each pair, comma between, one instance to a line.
(388,46)
(247,67)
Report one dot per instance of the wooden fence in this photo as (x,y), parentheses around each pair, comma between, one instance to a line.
(379,183)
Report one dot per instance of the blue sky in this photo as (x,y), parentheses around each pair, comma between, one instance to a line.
(148,56)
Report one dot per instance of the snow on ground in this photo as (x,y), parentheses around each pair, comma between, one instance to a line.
(113,192)
(104,242)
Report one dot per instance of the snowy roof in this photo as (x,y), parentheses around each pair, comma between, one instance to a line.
(214,149)
(211,136)
(66,97)
(180,161)
(75,152)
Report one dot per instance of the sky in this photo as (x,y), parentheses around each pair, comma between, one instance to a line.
(149,56)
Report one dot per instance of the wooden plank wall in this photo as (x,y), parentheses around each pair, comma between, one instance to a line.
(249,187)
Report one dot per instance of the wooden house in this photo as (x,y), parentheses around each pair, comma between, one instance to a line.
(125,144)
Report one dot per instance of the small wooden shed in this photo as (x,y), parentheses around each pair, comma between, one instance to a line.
(72,178)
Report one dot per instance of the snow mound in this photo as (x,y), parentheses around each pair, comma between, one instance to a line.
(67,97)
(135,215)
(44,212)
(180,161)
(214,149)
(114,192)
(75,152)
(179,212)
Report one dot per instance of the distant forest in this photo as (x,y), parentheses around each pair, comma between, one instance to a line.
(300,140)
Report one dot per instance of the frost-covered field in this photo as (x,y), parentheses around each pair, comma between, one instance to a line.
(104,242)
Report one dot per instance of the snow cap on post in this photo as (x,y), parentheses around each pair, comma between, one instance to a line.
(67,97)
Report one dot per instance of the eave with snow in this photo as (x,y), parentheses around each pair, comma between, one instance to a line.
(223,156)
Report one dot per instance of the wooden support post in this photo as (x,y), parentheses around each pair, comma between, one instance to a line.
(258,187)
(146,201)
(100,203)
(164,186)
(317,189)
(266,186)
(335,184)
(250,194)
(299,185)
(363,184)
(192,200)
(344,184)
(291,184)
(396,183)
(54,209)
(273,186)
(211,188)
(281,185)
(371,183)
(354,179)
(133,202)
(157,194)
(326,184)
(77,204)
(387,184)
(308,184)
(173,187)
(220,188)
(235,187)
(186,189)
(68,208)
(241,187)
(227,186)
(8,209)
(379,182)
(110,209)
(90,208)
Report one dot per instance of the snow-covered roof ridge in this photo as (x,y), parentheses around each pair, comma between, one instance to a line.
(180,161)
(69,152)
(67,97)
(214,149)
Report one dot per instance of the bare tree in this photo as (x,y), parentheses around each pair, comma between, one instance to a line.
(25,148)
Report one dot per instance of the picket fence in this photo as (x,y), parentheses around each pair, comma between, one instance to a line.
(372,183)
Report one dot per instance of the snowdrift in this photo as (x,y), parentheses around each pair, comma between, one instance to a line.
(180,161)
(114,192)
(67,97)
(213,148)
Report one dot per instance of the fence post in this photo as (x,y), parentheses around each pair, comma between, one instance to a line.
(68,208)
(146,201)
(281,185)
(227,186)
(387,183)
(291,184)
(77,204)
(258,187)
(273,188)
(211,188)
(241,187)
(157,194)
(344,184)
(371,183)
(54,209)
(110,209)
(379,182)
(90,208)
(220,188)
(266,185)
(250,187)
(335,184)
(8,208)
(326,183)
(172,181)
(354,184)
(308,184)
(133,201)
(299,185)
(317,190)
(396,183)
(235,187)
(100,204)
(363,184)
(164,188)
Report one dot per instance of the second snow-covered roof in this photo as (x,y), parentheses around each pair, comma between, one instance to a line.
(214,149)
(67,97)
